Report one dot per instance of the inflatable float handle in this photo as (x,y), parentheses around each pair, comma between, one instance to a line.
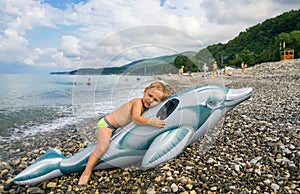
(167,109)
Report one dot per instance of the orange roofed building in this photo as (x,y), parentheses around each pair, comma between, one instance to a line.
(287,54)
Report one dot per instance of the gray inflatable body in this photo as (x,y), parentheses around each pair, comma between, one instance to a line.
(188,115)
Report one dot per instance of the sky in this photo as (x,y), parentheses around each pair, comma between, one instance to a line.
(38,36)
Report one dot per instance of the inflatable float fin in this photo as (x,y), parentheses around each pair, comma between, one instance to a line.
(161,150)
(46,167)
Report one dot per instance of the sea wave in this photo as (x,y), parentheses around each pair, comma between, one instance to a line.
(21,122)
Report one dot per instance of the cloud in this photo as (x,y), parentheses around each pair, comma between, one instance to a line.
(70,45)
(12,46)
(34,56)
(46,34)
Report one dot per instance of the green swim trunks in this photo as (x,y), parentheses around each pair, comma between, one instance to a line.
(103,123)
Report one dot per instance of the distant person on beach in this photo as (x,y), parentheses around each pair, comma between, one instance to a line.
(180,71)
(204,69)
(130,111)
(243,67)
(215,69)
(89,82)
(224,70)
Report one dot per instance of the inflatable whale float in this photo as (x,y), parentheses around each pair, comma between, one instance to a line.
(188,115)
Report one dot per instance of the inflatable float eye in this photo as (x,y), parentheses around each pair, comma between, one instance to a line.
(167,108)
(212,102)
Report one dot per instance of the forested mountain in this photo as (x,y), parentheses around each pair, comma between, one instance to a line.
(260,43)
(150,66)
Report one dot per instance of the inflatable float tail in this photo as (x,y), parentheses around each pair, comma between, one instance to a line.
(46,167)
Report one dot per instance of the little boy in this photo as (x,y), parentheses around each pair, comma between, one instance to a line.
(130,111)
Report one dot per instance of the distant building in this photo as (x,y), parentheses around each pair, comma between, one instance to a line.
(287,54)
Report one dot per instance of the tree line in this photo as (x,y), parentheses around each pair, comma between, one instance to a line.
(260,43)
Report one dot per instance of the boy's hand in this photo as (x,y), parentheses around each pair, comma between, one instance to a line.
(156,122)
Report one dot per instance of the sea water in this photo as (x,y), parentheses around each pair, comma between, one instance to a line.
(31,104)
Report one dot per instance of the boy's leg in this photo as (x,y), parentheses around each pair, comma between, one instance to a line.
(85,176)
(103,140)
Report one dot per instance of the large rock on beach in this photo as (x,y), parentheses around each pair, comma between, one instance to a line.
(256,149)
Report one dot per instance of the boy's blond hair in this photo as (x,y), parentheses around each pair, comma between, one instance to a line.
(162,87)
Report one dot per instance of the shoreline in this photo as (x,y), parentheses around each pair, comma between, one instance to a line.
(256,150)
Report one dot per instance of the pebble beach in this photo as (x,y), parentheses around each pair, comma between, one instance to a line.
(257,149)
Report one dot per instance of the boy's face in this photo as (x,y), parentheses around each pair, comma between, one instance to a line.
(152,97)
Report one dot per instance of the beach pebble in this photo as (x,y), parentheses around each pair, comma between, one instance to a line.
(174,187)
(213,188)
(275,187)
(51,185)
(255,160)
(35,190)
(4,172)
(189,186)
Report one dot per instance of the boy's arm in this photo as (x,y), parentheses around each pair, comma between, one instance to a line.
(136,113)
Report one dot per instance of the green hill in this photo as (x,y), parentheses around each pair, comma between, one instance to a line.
(260,43)
(151,66)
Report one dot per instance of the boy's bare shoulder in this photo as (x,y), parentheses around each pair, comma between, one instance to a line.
(136,103)
(135,100)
